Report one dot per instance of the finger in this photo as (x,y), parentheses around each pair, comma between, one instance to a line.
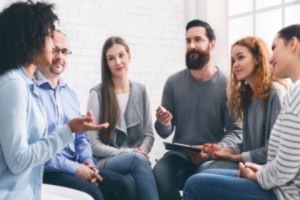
(241,165)
(91,126)
(161,109)
(89,114)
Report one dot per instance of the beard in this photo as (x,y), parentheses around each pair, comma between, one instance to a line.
(198,62)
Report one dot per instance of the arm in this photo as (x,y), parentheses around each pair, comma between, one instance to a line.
(98,147)
(83,148)
(15,116)
(148,135)
(233,130)
(285,150)
(165,131)
(259,155)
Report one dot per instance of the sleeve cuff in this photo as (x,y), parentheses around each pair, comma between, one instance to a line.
(246,156)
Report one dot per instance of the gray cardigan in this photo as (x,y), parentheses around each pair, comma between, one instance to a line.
(257,125)
(135,128)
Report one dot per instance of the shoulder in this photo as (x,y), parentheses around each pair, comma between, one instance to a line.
(96,87)
(278,91)
(292,98)
(137,86)
(221,77)
(177,76)
(13,81)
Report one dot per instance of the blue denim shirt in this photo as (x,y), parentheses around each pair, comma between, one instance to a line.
(61,105)
(24,143)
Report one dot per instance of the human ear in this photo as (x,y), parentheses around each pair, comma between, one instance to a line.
(212,44)
(294,44)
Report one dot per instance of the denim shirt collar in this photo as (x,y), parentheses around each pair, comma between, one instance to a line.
(41,81)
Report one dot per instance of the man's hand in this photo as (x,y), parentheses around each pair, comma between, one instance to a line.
(88,172)
(85,124)
(198,157)
(163,116)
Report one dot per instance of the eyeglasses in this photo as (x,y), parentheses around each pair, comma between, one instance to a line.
(64,51)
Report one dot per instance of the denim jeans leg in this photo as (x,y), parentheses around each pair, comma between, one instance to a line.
(170,173)
(213,186)
(139,167)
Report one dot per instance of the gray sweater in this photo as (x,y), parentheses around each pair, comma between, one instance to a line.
(199,111)
(259,118)
(135,128)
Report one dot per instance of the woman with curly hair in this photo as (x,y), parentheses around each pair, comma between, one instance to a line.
(254,97)
(26,30)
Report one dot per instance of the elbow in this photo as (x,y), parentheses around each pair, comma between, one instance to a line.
(15,167)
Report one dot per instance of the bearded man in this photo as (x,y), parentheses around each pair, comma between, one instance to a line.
(194,108)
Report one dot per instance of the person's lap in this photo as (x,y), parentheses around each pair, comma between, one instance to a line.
(74,182)
(216,184)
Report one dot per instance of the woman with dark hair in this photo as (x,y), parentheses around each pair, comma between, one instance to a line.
(280,177)
(26,30)
(125,145)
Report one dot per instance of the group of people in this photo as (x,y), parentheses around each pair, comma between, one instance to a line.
(247,127)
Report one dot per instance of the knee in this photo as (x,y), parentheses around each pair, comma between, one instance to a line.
(162,172)
(140,160)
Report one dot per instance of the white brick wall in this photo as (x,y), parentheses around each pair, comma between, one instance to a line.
(154,30)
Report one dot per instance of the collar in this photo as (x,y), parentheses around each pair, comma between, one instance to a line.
(30,81)
(41,81)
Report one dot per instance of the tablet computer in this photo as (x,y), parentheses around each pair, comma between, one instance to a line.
(181,147)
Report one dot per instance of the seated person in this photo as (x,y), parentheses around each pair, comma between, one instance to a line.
(124,146)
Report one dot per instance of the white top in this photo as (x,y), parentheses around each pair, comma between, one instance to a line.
(123,100)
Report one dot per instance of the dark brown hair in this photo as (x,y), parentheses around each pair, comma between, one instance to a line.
(110,107)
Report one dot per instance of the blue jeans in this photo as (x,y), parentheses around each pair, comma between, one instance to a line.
(215,184)
(137,168)
(173,169)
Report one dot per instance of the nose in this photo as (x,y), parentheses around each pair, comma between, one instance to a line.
(191,45)
(118,61)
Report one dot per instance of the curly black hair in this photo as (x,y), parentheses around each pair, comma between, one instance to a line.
(24,27)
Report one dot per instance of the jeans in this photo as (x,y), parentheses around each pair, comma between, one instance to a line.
(113,186)
(136,167)
(215,184)
(173,169)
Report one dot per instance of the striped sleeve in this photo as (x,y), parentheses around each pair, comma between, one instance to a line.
(284,149)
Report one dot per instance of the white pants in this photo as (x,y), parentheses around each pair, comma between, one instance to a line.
(51,192)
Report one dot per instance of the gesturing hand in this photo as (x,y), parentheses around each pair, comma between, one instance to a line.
(163,116)
(85,124)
